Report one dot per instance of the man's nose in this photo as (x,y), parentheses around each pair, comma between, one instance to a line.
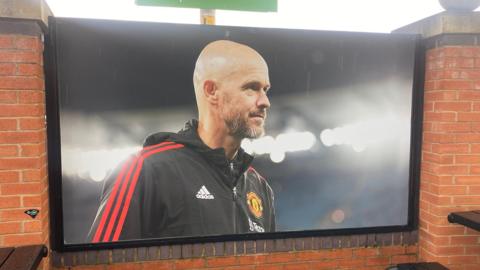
(263,101)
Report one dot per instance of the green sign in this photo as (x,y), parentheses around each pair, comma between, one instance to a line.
(245,5)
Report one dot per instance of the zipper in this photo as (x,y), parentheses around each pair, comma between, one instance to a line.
(234,212)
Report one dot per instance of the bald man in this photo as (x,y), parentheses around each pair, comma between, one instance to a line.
(198,181)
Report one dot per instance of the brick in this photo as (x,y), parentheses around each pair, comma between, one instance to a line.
(366,252)
(158,266)
(21,83)
(189,263)
(21,188)
(468,95)
(31,97)
(23,239)
(451,74)
(7,41)
(456,84)
(271,267)
(8,97)
(27,43)
(468,117)
(467,200)
(475,127)
(451,190)
(32,226)
(404,259)
(221,261)
(34,175)
(32,201)
(20,110)
(281,257)
(14,137)
(440,95)
(9,201)
(427,147)
(475,170)
(465,240)
(352,263)
(474,190)
(450,148)
(328,264)
(19,163)
(451,127)
(245,267)
(378,261)
(452,106)
(431,86)
(10,227)
(8,124)
(252,259)
(467,159)
(453,169)
(467,138)
(428,107)
(467,180)
(310,256)
(440,116)
(439,159)
(429,167)
(463,260)
(434,75)
(475,148)
(458,62)
(125,266)
(9,176)
(8,150)
(32,123)
(21,56)
(30,150)
(29,70)
(297,266)
(472,250)
(446,230)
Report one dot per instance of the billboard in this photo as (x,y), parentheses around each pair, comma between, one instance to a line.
(331,122)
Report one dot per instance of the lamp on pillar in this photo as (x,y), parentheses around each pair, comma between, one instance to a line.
(460,5)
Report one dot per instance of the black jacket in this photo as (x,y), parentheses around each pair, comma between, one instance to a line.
(177,186)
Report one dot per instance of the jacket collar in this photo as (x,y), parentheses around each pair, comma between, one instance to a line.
(188,136)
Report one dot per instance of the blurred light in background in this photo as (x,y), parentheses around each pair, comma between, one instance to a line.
(291,141)
(363,134)
(94,164)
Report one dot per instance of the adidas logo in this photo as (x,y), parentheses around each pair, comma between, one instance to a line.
(204,194)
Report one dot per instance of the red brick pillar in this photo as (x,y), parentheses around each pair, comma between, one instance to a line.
(23,158)
(450,174)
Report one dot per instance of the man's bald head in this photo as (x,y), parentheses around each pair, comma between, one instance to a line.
(220,59)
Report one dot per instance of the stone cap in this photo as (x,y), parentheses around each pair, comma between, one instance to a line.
(448,22)
(26,9)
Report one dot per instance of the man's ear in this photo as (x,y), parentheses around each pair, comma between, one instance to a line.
(210,91)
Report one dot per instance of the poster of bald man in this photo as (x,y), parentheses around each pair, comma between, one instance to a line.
(190,132)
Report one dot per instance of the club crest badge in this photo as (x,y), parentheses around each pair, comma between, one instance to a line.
(255,204)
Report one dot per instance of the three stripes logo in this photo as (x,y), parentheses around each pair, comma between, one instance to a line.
(204,194)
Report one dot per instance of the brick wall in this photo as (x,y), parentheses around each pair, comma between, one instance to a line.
(23,177)
(341,252)
(342,259)
(450,178)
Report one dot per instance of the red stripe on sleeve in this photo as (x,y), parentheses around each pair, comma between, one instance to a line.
(124,212)
(113,195)
(111,198)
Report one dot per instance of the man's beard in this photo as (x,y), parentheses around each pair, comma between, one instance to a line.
(238,127)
